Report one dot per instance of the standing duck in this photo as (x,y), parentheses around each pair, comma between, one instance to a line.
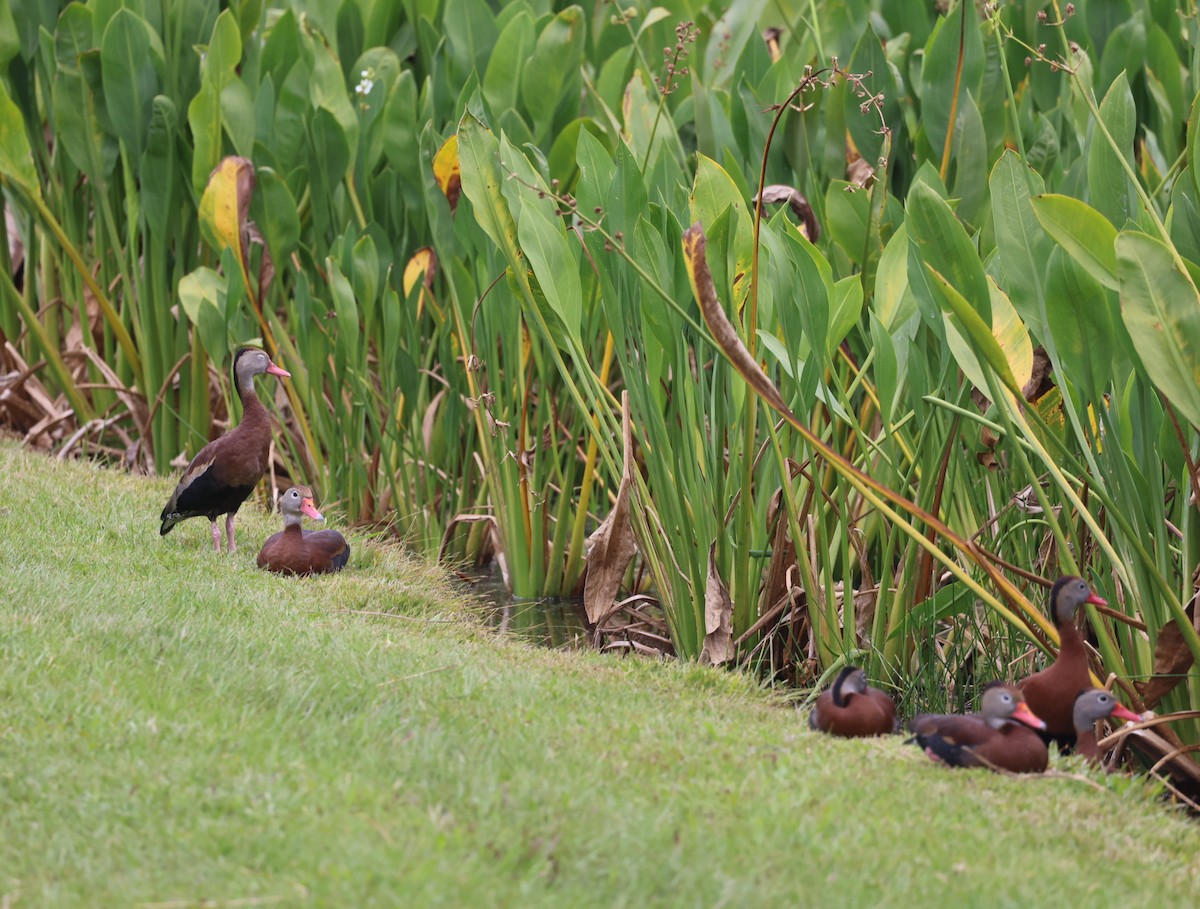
(297,551)
(1093,705)
(852,708)
(226,470)
(1051,692)
(999,736)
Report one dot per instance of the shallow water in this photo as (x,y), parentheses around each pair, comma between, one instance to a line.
(557,622)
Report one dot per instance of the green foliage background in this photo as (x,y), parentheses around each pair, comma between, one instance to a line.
(1034,191)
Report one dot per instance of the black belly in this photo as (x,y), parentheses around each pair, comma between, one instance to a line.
(205,496)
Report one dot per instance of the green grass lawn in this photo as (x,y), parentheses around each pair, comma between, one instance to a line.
(178,728)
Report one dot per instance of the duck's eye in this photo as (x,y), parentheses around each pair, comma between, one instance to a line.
(1007,698)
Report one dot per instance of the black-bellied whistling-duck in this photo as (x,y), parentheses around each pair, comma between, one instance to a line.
(1091,706)
(852,708)
(226,470)
(1051,692)
(999,736)
(297,551)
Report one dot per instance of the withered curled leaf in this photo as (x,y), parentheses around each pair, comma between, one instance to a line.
(718,616)
(694,250)
(612,545)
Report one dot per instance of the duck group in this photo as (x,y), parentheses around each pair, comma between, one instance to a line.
(1014,722)
(225,472)
(1010,731)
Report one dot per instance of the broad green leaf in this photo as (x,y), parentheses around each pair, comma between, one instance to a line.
(886,369)
(1161,310)
(1023,245)
(345,308)
(847,309)
(814,297)
(30,18)
(1124,51)
(737,25)
(282,47)
(237,116)
(942,244)
(160,163)
(16,158)
(549,77)
(204,112)
(331,147)
(1009,334)
(1081,231)
(364,277)
(1080,325)
(400,134)
(970,156)
(10,43)
(470,30)
(248,13)
(479,158)
(327,91)
(596,169)
(864,126)
(940,72)
(1183,217)
(276,215)
(1193,145)
(893,305)
(848,218)
(543,240)
(1108,185)
(983,344)
(713,191)
(638,115)
(202,294)
(130,83)
(501,82)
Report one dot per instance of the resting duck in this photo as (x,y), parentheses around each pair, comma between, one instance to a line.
(999,736)
(226,470)
(852,708)
(297,551)
(1093,705)
(1051,692)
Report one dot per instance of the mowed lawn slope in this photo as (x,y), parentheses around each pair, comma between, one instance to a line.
(179,728)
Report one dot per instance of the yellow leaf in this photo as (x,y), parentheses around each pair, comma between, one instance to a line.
(225,205)
(446,171)
(419,270)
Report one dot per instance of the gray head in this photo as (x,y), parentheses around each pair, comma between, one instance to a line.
(1001,703)
(1067,595)
(298,501)
(249,362)
(1094,704)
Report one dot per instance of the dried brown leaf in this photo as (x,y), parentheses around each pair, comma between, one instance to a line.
(1172,660)
(694,250)
(778,193)
(783,556)
(718,616)
(613,545)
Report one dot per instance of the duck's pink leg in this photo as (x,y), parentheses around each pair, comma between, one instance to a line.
(229,532)
(216,534)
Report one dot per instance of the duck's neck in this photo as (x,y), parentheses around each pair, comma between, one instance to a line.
(1071,642)
(292,522)
(1086,744)
(253,411)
